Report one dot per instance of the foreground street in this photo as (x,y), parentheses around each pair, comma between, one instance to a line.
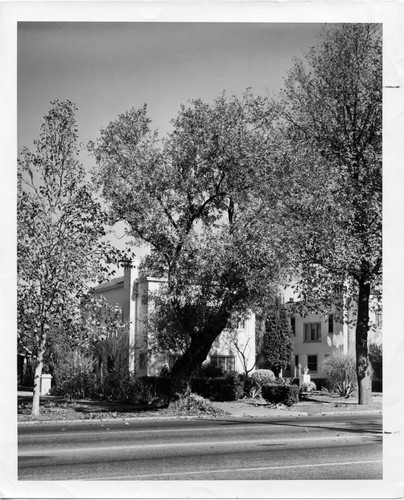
(327,447)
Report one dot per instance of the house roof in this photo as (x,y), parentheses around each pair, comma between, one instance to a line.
(114,283)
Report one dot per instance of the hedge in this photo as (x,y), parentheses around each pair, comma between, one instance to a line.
(280,393)
(228,388)
(152,390)
(377,385)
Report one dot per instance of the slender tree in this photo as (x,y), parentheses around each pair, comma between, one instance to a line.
(60,245)
(276,342)
(331,151)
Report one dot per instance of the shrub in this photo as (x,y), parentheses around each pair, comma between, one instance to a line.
(152,390)
(75,379)
(376,359)
(228,388)
(209,370)
(377,386)
(251,387)
(340,372)
(281,393)
(263,376)
(117,388)
(321,383)
(308,387)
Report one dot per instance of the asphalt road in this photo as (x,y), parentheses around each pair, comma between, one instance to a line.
(327,447)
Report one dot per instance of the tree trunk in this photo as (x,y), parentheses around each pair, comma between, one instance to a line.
(363,366)
(37,378)
(186,366)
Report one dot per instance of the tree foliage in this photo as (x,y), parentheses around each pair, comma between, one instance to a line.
(189,197)
(60,246)
(275,343)
(331,155)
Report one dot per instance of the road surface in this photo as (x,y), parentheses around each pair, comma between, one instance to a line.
(327,447)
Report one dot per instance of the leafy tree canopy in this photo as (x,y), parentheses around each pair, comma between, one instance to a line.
(61,248)
(330,152)
(191,198)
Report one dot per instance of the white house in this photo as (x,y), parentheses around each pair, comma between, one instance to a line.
(233,350)
(315,337)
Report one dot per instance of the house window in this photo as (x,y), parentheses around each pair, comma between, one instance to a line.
(142,360)
(235,324)
(378,319)
(312,332)
(226,363)
(293,325)
(330,323)
(312,363)
(241,324)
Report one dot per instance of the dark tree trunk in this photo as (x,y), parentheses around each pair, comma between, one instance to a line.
(188,364)
(363,366)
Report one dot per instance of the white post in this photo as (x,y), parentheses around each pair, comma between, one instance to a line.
(46,382)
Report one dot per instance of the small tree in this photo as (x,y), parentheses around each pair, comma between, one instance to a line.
(276,342)
(243,350)
(60,245)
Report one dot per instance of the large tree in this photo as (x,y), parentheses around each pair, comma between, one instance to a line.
(60,245)
(331,151)
(189,197)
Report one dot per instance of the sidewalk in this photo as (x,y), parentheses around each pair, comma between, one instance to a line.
(316,404)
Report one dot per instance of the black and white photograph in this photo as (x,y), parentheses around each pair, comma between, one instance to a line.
(207,252)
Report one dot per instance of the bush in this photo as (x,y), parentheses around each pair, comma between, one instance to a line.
(152,390)
(263,376)
(340,372)
(209,370)
(376,359)
(308,387)
(117,388)
(251,387)
(377,386)
(321,383)
(304,388)
(281,393)
(75,379)
(228,388)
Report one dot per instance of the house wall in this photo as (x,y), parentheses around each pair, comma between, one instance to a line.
(239,343)
(343,336)
(114,295)
(145,362)
(303,349)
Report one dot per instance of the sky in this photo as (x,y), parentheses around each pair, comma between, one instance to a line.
(108,68)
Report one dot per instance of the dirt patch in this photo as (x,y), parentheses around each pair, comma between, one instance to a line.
(55,409)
